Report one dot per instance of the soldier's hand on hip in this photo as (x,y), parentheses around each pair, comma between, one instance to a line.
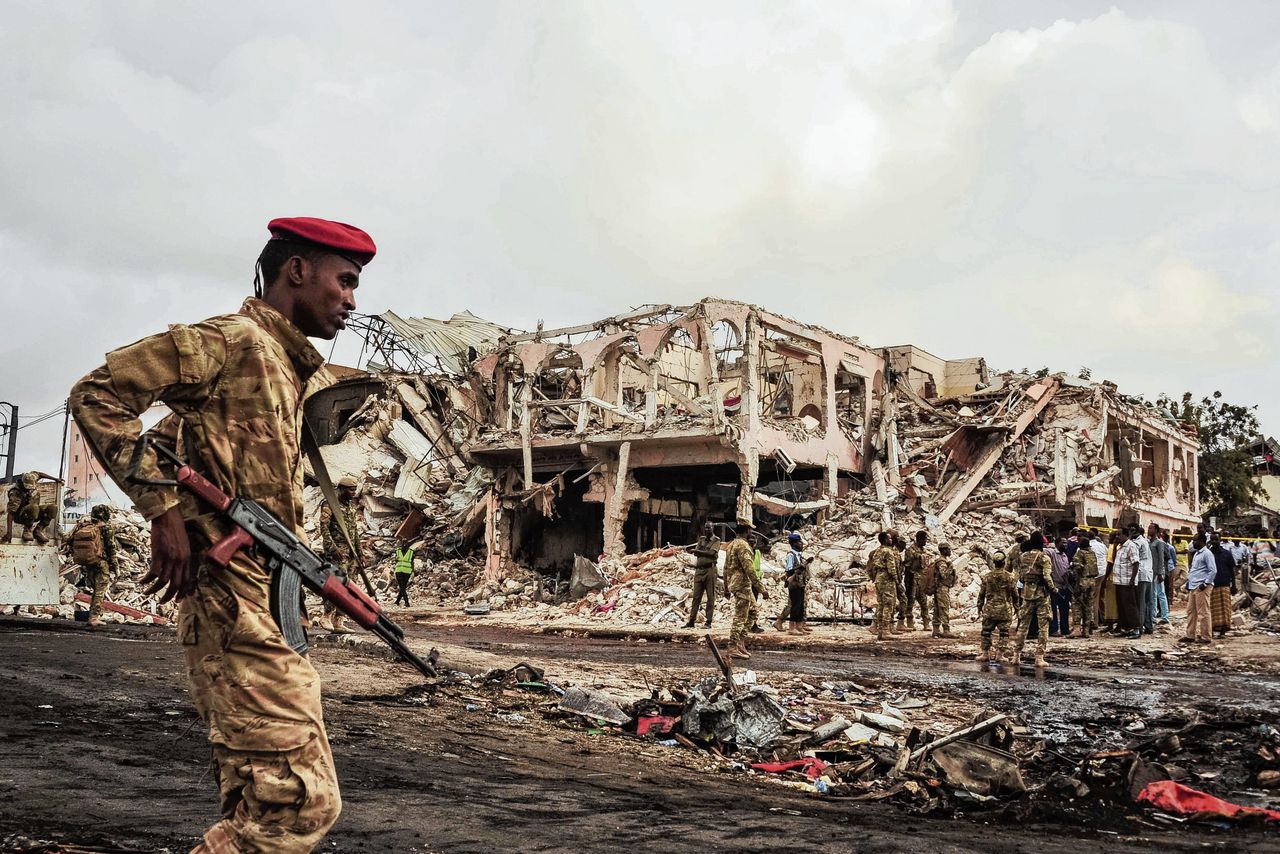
(170,557)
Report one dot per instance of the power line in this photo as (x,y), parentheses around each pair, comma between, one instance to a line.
(43,418)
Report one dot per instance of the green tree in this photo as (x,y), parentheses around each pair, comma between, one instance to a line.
(1226,465)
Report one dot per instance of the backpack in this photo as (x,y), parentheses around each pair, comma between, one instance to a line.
(928,579)
(86,544)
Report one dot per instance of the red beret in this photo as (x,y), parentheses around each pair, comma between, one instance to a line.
(337,237)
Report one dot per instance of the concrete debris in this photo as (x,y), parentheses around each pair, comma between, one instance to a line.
(126,600)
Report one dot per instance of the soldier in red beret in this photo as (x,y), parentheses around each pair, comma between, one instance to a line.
(236,385)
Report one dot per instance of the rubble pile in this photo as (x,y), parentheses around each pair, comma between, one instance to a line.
(653,587)
(939,755)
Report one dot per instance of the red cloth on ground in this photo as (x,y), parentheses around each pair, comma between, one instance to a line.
(1183,800)
(812,766)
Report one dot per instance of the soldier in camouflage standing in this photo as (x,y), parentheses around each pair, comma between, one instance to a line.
(944,578)
(24,507)
(737,584)
(913,561)
(1037,580)
(93,548)
(1013,554)
(335,545)
(995,606)
(902,610)
(1084,576)
(882,567)
(236,385)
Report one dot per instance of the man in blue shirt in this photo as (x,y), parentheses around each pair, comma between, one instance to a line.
(1204,568)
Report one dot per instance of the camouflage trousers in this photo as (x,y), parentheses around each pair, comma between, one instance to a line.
(1038,605)
(1085,604)
(886,602)
(98,576)
(990,626)
(34,517)
(739,588)
(902,596)
(919,599)
(261,701)
(941,610)
(753,614)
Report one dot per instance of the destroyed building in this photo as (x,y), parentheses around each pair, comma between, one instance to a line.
(1067,450)
(625,434)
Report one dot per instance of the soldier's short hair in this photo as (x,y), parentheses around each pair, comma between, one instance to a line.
(277,252)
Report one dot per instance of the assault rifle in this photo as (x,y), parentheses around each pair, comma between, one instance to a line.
(291,562)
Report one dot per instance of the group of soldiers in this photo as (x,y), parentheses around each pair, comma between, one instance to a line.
(1013,599)
(910,577)
(92,541)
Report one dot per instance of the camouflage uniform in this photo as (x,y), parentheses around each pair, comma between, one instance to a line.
(913,572)
(944,575)
(25,509)
(995,603)
(98,573)
(882,566)
(235,384)
(737,581)
(757,589)
(1037,581)
(1084,572)
(334,545)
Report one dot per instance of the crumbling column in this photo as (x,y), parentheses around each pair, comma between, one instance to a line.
(751,378)
(749,472)
(526,431)
(651,396)
(493,538)
(616,506)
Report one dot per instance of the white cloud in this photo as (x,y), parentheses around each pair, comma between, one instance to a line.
(902,171)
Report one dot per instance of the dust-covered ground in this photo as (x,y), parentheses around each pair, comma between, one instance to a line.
(99,746)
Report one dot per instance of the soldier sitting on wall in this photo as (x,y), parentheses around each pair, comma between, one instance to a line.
(26,509)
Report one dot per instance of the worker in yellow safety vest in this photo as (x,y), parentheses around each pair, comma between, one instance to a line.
(404,571)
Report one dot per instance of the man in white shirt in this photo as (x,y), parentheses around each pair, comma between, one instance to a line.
(1099,549)
(1146,576)
(1125,579)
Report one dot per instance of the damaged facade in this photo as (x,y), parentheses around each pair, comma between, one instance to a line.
(1066,450)
(628,433)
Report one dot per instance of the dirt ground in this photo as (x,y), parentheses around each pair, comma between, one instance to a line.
(99,746)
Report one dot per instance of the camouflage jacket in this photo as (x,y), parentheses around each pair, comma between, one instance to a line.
(335,545)
(913,559)
(1037,574)
(996,595)
(1084,568)
(944,572)
(883,561)
(1012,558)
(737,561)
(235,384)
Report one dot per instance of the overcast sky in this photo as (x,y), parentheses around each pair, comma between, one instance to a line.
(1058,184)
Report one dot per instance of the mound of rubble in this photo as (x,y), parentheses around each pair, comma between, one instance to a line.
(126,601)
